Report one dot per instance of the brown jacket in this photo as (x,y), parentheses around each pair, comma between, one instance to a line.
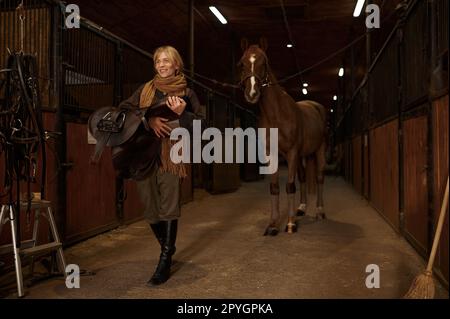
(137,158)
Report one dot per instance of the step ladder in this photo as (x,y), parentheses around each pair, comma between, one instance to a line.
(29,248)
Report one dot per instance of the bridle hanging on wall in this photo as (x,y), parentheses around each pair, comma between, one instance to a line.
(21,129)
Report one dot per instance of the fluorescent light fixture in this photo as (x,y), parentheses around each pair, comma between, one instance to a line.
(335,98)
(358,8)
(289,45)
(218,15)
(341,72)
(305,91)
(305,85)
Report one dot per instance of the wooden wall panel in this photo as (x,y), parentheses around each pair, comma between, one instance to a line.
(376,159)
(440,164)
(357,164)
(91,194)
(384,172)
(415,182)
(347,161)
(366,164)
(37,40)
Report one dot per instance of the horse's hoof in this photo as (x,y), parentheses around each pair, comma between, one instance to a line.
(271,231)
(300,213)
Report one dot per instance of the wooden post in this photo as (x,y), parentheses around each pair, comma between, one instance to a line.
(58,75)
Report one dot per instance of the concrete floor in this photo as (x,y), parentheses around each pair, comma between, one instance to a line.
(221,253)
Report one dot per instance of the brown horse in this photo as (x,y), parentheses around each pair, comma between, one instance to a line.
(301,133)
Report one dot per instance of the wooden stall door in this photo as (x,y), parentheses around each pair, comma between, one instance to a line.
(440,159)
(91,193)
(384,172)
(415,182)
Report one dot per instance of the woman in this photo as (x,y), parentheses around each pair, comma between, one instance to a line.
(160,190)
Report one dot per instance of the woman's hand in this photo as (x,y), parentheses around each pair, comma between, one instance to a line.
(176,104)
(159,127)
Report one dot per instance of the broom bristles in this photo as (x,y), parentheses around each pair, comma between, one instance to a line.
(422,287)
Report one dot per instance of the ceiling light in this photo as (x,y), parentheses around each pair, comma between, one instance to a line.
(332,111)
(341,72)
(305,85)
(289,45)
(358,8)
(335,98)
(305,91)
(218,15)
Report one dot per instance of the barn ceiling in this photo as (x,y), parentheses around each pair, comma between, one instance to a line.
(317,28)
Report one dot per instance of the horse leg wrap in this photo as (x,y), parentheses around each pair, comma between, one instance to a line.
(291,226)
(291,205)
(290,188)
(274,189)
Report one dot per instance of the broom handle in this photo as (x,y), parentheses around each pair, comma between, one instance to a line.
(437,236)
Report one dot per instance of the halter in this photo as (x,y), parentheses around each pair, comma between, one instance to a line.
(265,83)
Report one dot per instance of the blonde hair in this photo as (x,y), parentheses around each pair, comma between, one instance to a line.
(173,55)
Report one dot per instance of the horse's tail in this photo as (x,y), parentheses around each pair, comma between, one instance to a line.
(311,174)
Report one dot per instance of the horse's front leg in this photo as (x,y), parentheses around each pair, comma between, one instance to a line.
(272,229)
(292,160)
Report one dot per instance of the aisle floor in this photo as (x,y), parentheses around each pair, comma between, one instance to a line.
(221,253)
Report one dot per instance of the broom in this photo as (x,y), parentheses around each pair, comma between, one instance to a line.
(423,285)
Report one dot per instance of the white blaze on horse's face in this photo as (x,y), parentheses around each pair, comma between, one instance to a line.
(252,78)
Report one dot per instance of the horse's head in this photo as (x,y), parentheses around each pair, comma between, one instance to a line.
(254,70)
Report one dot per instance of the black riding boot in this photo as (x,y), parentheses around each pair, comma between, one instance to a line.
(159,231)
(162,272)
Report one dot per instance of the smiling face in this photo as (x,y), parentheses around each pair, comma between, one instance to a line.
(252,73)
(164,65)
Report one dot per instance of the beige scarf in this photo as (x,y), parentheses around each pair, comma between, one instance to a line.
(173,85)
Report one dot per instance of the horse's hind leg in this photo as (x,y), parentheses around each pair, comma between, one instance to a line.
(321,162)
(272,229)
(301,172)
(292,159)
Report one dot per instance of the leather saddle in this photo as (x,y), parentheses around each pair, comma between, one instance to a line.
(134,146)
